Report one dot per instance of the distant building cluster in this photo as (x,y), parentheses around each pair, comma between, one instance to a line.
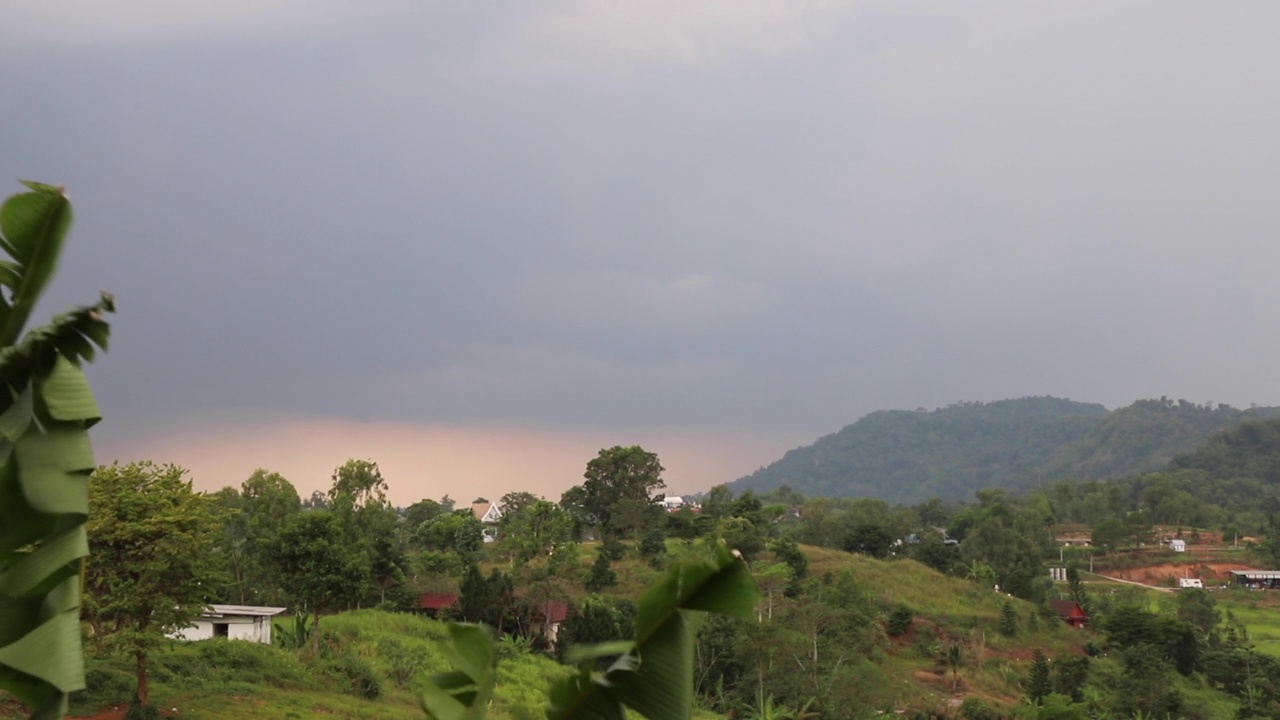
(675,503)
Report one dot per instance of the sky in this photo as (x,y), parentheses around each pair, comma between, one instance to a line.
(478,242)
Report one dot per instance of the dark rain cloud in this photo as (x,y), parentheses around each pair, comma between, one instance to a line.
(640,215)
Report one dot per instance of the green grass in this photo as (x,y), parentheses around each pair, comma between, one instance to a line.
(1262,622)
(219,679)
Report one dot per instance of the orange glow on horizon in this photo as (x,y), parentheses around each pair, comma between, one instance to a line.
(430,461)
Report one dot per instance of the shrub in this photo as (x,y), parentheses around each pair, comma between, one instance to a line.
(197,664)
(402,662)
(137,711)
(364,682)
(899,621)
(1008,626)
(104,685)
(974,709)
(926,642)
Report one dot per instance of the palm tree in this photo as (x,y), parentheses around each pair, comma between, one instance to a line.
(953,658)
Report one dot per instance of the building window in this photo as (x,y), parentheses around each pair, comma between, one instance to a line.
(220,630)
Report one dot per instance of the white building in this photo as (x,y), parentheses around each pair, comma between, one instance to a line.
(235,622)
(672,503)
(1178,545)
(1190,583)
(488,513)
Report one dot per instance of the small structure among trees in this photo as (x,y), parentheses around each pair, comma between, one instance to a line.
(234,622)
(1070,612)
(489,514)
(1257,579)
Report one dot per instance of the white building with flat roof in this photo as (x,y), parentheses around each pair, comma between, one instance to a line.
(234,622)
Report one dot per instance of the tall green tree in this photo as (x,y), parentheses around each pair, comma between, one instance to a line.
(267,502)
(1039,679)
(422,511)
(602,575)
(358,500)
(533,528)
(620,489)
(149,536)
(318,564)
(46,410)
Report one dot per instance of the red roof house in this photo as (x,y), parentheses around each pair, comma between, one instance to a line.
(1070,612)
(547,619)
(434,604)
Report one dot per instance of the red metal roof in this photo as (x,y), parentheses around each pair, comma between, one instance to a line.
(554,612)
(437,601)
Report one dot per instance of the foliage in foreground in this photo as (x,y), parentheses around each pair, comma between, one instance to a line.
(651,675)
(46,409)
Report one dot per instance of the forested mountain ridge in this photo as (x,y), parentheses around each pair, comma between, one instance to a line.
(910,457)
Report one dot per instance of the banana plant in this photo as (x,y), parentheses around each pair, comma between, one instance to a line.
(651,675)
(46,410)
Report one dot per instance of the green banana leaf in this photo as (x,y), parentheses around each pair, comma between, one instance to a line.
(652,675)
(46,409)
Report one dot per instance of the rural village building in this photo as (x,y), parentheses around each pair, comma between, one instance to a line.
(548,618)
(1070,612)
(437,604)
(488,513)
(234,622)
(1257,579)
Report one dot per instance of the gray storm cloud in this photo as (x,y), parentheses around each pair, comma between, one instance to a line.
(762,215)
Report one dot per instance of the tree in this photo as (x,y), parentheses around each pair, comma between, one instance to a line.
(789,552)
(1039,681)
(602,574)
(1070,675)
(267,502)
(515,502)
(318,564)
(149,536)
(953,658)
(1008,626)
(620,489)
(533,528)
(718,503)
(1108,533)
(457,532)
(653,545)
(45,456)
(741,535)
(358,499)
(932,551)
(423,511)
(1075,586)
(595,621)
(869,539)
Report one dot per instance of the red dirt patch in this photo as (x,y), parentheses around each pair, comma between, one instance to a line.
(1157,574)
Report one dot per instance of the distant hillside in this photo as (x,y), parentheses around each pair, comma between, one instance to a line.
(1250,450)
(910,457)
(1146,436)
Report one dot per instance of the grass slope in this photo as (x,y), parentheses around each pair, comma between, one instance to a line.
(217,679)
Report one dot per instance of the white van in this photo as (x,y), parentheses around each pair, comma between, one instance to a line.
(1190,583)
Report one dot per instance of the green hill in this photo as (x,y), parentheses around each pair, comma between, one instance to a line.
(910,457)
(373,663)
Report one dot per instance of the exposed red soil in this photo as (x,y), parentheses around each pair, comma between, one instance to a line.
(1158,574)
